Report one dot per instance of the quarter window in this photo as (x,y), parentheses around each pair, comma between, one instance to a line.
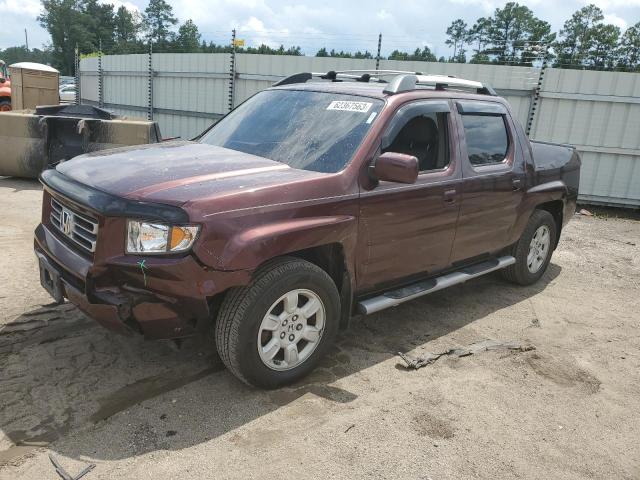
(487,139)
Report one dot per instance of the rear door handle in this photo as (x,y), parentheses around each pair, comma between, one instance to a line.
(517,183)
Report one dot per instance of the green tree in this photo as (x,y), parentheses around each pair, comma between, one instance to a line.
(188,39)
(576,37)
(424,55)
(458,35)
(126,29)
(629,51)
(66,22)
(21,54)
(100,21)
(157,22)
(516,36)
(322,52)
(585,41)
(366,54)
(604,49)
(479,34)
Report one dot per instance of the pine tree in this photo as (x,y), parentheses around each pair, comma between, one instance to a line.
(188,39)
(459,35)
(157,21)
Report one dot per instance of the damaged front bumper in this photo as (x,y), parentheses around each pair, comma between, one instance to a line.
(168,298)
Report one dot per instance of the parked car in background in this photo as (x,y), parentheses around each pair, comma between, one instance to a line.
(67,80)
(68,93)
(310,202)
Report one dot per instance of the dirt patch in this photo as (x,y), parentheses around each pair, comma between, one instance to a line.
(432,426)
(567,411)
(564,373)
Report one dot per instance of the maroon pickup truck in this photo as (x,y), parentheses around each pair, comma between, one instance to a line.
(317,199)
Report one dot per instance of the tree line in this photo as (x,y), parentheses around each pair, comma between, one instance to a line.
(513,35)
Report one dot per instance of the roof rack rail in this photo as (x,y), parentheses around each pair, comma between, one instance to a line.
(402,81)
(334,76)
(405,83)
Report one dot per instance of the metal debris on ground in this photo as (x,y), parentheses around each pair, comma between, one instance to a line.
(63,473)
(474,348)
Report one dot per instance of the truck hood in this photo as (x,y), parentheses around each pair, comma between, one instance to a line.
(178,172)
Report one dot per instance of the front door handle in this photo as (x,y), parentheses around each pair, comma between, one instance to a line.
(449,196)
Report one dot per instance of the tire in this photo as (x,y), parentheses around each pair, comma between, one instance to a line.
(241,328)
(5,105)
(524,271)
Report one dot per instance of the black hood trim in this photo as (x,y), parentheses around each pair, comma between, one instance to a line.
(110,205)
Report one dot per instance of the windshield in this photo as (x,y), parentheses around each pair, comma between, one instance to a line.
(315,131)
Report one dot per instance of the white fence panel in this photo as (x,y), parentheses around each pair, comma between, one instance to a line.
(599,112)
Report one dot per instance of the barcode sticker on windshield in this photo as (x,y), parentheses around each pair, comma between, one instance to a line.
(348,106)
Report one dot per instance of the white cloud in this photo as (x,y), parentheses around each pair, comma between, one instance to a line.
(337,24)
(19,8)
(119,3)
(616,20)
(606,4)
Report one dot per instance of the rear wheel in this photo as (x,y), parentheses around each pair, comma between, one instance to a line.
(275,330)
(534,249)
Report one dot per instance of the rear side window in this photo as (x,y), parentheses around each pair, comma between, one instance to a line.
(487,139)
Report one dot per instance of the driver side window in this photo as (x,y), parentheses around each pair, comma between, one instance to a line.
(424,136)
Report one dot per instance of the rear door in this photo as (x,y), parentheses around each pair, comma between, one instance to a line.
(493,179)
(409,229)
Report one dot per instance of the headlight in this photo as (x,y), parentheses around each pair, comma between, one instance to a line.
(147,237)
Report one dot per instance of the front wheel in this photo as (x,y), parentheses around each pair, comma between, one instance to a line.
(533,250)
(275,330)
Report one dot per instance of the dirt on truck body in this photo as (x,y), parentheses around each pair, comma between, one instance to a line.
(309,203)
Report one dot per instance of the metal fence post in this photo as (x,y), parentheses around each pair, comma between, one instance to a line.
(232,70)
(150,83)
(100,77)
(77,75)
(378,54)
(535,97)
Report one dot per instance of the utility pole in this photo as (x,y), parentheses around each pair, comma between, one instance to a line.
(378,54)
(26,39)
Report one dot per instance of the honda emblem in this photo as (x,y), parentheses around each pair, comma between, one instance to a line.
(66,222)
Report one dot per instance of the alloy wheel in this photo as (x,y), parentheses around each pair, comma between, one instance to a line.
(291,330)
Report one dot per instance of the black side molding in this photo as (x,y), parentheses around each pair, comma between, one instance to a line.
(110,205)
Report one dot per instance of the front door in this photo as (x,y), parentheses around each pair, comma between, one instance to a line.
(406,230)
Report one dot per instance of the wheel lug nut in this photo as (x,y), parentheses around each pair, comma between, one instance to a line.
(282,335)
(284,323)
(295,317)
(291,337)
(299,326)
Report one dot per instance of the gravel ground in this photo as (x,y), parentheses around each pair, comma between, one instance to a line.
(569,409)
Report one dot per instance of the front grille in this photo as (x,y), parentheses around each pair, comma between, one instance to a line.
(79,228)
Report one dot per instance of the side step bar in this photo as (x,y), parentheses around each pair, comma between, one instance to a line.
(396,297)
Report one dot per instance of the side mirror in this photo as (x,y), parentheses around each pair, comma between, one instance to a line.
(396,167)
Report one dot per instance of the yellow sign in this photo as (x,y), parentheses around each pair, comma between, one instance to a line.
(238,42)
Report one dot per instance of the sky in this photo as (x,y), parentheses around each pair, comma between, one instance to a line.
(311,24)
